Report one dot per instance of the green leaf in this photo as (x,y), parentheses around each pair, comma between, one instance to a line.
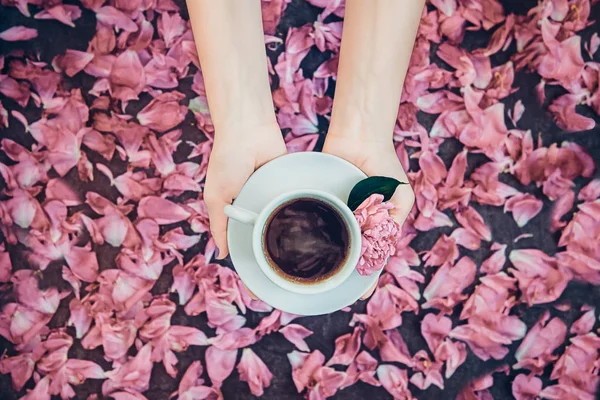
(373,184)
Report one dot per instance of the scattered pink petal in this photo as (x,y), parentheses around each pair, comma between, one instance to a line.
(219,364)
(526,387)
(295,334)
(394,380)
(561,206)
(495,263)
(585,323)
(111,16)
(346,348)
(540,277)
(163,112)
(18,33)
(254,371)
(535,352)
(524,207)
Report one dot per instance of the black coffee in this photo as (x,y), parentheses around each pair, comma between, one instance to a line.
(306,240)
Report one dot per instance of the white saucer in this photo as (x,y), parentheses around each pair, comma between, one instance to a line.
(305,170)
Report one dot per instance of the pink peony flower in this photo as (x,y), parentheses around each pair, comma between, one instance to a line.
(380,233)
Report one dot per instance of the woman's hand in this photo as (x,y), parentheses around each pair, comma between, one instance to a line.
(236,154)
(375,158)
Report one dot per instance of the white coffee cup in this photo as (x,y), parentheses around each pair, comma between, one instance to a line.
(261,219)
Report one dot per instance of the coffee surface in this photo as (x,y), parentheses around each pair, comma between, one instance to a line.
(306,240)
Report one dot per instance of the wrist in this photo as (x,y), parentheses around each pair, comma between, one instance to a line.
(256,130)
(359,130)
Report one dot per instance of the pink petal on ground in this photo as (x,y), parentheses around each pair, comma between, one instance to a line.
(64,13)
(5,264)
(526,387)
(428,372)
(117,338)
(127,77)
(40,392)
(328,381)
(443,251)
(4,116)
(127,396)
(448,7)
(219,364)
(60,190)
(161,210)
(103,144)
(163,112)
(111,16)
(435,329)
(72,62)
(295,334)
(541,278)
(392,347)
(466,238)
(93,5)
(438,219)
(18,33)
(134,375)
(433,167)
(183,284)
(536,349)
(304,366)
(80,318)
(20,368)
(184,336)
(388,302)
(594,45)
(517,112)
(590,192)
(450,281)
(362,368)
(473,221)
(561,206)
(563,110)
(524,207)
(83,263)
(170,27)
(483,341)
(454,354)
(585,323)
(254,371)
(494,263)
(84,369)
(191,377)
(394,380)
(346,348)
(456,173)
(237,339)
(26,287)
(271,14)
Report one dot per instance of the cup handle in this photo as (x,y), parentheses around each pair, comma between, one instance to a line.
(241,215)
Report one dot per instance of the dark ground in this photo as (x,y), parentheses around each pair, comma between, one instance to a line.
(55,38)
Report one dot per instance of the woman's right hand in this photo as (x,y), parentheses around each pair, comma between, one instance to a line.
(237,152)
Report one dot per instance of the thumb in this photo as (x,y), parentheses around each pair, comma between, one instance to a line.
(403,200)
(218,224)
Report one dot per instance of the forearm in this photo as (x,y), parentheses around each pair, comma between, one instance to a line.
(230,42)
(377,43)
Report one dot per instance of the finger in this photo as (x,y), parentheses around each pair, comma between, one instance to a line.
(369,292)
(403,200)
(218,223)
